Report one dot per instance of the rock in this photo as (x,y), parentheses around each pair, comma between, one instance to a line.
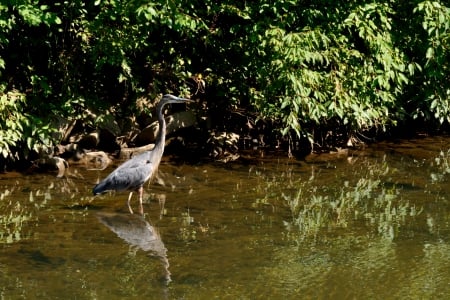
(224,146)
(89,141)
(94,160)
(51,164)
(110,125)
(180,120)
(70,151)
(100,139)
(97,160)
(44,151)
(127,153)
(174,122)
(107,141)
(71,148)
(147,135)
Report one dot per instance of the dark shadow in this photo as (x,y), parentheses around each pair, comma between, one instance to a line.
(137,232)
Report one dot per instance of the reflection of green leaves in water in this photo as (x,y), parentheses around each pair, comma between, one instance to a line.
(12,217)
(319,209)
(442,162)
(17,211)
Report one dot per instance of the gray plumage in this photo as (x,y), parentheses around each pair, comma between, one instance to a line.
(132,174)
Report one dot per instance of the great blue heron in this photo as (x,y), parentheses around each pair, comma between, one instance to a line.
(132,174)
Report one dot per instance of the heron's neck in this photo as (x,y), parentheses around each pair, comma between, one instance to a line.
(161,137)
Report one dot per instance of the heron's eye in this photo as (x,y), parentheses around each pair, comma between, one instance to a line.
(148,161)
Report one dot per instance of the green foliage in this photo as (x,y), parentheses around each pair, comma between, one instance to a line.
(11,121)
(21,132)
(13,217)
(434,97)
(341,66)
(34,14)
(345,73)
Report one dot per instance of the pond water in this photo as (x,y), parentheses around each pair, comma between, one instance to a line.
(372,223)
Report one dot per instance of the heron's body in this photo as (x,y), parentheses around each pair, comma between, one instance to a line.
(132,174)
(129,176)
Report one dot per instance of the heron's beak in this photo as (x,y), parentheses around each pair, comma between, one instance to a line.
(186,100)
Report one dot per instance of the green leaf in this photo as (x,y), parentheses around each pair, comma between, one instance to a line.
(430,53)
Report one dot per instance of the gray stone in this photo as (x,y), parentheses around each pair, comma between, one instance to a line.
(94,160)
(173,123)
(52,164)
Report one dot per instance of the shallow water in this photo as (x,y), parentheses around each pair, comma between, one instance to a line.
(372,223)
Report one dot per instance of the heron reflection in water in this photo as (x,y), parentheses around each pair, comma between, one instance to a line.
(138,233)
(132,174)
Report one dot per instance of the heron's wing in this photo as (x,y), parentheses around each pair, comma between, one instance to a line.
(136,161)
(130,175)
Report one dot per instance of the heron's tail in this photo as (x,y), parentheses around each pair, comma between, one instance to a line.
(100,188)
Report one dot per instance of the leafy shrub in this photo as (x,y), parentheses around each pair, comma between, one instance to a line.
(433,98)
(21,132)
(335,66)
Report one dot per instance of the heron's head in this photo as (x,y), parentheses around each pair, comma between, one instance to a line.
(166,99)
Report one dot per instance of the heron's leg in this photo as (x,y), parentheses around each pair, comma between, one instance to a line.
(162,201)
(141,192)
(128,202)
